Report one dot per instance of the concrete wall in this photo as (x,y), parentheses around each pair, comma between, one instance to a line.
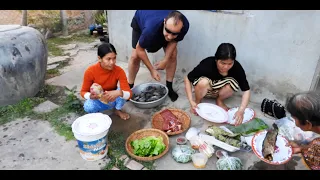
(279,50)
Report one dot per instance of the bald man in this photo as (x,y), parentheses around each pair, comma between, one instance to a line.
(151,31)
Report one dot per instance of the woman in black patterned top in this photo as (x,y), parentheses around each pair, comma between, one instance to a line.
(218,77)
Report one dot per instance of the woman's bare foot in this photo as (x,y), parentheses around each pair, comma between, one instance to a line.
(221,104)
(122,115)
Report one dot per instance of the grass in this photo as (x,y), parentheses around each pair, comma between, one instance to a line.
(19,110)
(53,43)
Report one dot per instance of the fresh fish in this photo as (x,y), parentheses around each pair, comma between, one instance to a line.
(269,143)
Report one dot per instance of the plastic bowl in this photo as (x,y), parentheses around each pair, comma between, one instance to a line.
(181,140)
(199,160)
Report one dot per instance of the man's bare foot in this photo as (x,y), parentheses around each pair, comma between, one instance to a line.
(121,114)
(221,104)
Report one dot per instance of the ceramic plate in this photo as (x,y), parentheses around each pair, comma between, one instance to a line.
(247,115)
(212,112)
(282,152)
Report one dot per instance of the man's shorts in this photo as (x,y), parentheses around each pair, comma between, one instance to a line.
(136,33)
(213,92)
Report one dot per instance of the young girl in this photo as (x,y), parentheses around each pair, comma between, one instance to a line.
(107,74)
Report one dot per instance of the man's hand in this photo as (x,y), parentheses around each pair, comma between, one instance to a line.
(110,96)
(161,65)
(94,96)
(238,116)
(155,75)
(193,106)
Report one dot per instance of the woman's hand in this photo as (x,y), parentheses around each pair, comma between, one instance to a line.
(295,147)
(110,96)
(193,106)
(94,96)
(238,117)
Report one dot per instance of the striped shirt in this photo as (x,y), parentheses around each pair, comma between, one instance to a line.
(208,68)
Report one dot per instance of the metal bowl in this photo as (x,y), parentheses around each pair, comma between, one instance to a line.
(145,105)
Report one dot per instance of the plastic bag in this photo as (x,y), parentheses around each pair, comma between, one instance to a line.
(229,163)
(196,141)
(182,153)
(192,132)
(288,128)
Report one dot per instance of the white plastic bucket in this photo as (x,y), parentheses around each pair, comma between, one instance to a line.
(91,131)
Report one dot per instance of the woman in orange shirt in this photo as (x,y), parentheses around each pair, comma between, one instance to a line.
(107,74)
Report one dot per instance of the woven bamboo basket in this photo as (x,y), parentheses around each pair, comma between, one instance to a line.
(157,120)
(145,133)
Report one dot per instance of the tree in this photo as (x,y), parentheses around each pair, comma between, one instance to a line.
(24,20)
(63,16)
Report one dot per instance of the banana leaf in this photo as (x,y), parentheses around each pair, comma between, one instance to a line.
(249,128)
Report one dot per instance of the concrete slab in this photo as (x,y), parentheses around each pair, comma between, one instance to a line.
(52,66)
(28,144)
(68,46)
(56,59)
(45,107)
(69,118)
(84,58)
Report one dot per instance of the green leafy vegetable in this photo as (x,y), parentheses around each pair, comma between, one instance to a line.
(248,128)
(148,146)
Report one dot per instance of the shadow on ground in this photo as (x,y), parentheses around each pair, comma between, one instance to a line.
(126,127)
(260,165)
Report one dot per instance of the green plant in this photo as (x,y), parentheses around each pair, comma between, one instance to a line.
(46,90)
(72,101)
(100,18)
(18,110)
(46,19)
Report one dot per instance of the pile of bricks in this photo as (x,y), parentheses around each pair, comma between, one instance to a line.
(130,164)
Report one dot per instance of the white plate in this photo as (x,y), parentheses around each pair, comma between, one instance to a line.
(212,112)
(282,153)
(248,115)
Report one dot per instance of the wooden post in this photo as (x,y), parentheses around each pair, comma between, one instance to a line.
(24,20)
(63,16)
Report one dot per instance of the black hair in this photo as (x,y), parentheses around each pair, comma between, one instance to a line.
(106,48)
(305,106)
(176,15)
(226,51)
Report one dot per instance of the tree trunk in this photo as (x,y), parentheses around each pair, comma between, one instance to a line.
(63,16)
(24,20)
